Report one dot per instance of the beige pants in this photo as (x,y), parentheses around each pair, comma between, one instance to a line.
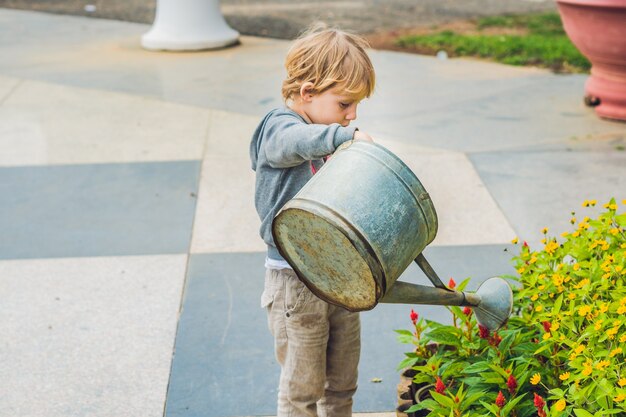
(317,345)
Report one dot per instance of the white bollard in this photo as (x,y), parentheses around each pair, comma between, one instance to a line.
(188,25)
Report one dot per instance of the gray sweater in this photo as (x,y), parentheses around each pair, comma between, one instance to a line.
(280,151)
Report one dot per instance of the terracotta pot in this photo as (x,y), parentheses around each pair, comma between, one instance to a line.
(598,29)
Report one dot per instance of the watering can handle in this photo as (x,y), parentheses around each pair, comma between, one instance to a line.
(430,272)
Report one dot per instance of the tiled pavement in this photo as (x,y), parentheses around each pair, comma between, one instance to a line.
(130,265)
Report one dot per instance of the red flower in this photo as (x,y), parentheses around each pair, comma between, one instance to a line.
(512,384)
(500,401)
(483,332)
(539,404)
(414,316)
(467,311)
(546,326)
(440,386)
(451,284)
(525,244)
(496,339)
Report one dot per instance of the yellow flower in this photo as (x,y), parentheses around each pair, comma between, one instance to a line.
(538,308)
(521,270)
(564,234)
(612,332)
(572,220)
(614,231)
(546,336)
(615,351)
(534,297)
(587,370)
(576,234)
(554,326)
(586,203)
(576,267)
(604,307)
(544,230)
(624,202)
(535,379)
(593,202)
(541,287)
(579,349)
(598,325)
(532,260)
(560,405)
(620,397)
(622,339)
(564,376)
(582,283)
(621,382)
(571,296)
(543,240)
(618,268)
(551,247)
(584,310)
(602,364)
(606,276)
(514,241)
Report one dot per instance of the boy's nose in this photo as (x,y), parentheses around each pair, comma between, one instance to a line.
(351,114)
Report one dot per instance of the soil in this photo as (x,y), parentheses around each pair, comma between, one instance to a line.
(387,40)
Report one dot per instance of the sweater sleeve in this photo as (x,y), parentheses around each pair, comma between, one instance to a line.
(289,142)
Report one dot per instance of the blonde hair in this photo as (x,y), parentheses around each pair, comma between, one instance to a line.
(329,58)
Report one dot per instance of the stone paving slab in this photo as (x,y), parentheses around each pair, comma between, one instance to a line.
(97,210)
(89,336)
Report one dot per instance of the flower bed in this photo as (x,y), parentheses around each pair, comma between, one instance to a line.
(562,351)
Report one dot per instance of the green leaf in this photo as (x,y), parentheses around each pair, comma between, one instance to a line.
(500,371)
(442,399)
(476,367)
(407,362)
(490,407)
(557,306)
(445,336)
(509,406)
(582,413)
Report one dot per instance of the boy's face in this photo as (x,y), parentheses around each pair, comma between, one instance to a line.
(331,107)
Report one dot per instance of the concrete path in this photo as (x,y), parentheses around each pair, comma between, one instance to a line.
(130,263)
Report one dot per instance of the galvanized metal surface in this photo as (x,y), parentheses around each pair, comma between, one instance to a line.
(383,212)
(356,226)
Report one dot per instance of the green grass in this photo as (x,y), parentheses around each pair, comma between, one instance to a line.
(545,43)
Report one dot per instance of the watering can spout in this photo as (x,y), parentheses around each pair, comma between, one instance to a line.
(492,302)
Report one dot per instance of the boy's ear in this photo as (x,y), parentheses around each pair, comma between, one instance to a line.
(306,91)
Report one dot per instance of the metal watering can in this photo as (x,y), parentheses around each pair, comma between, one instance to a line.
(358,224)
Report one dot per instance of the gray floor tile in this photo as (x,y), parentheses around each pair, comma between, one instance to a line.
(224,362)
(97,210)
(541,189)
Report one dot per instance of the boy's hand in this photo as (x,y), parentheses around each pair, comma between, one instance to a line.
(358,135)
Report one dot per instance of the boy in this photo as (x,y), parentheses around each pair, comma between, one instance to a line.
(317,344)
